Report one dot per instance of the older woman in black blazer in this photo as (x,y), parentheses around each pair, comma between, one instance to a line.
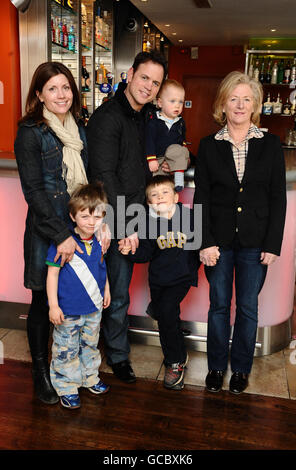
(240,182)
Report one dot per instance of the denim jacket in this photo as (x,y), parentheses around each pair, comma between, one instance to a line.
(39,156)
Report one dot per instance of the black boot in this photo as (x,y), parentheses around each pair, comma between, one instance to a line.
(38,336)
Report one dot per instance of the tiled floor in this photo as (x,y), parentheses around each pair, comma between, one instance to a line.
(273,375)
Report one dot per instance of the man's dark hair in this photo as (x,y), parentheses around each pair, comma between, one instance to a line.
(153,56)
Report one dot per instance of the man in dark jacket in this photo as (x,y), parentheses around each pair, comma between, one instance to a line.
(115,136)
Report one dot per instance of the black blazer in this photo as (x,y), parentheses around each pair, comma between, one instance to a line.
(254,209)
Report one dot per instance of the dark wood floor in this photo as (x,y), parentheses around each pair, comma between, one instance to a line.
(141,416)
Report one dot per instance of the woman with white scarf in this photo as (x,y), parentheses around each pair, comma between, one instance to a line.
(51,154)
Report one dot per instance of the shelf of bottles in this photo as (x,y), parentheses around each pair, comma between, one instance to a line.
(103,39)
(64,33)
(153,39)
(87,53)
(276,70)
(82,38)
(97,58)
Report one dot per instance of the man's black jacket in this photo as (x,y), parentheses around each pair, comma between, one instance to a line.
(115,136)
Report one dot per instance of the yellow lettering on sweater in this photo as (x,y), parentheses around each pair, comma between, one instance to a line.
(170,241)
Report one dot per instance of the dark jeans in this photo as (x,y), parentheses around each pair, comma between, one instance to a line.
(115,318)
(38,312)
(249,278)
(165,302)
(38,326)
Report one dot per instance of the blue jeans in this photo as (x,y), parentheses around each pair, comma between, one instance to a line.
(115,318)
(75,356)
(249,278)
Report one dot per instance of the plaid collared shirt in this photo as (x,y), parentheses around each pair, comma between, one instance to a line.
(240,151)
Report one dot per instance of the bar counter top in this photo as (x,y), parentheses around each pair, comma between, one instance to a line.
(8,167)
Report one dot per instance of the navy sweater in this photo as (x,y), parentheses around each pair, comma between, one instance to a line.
(159,137)
(164,247)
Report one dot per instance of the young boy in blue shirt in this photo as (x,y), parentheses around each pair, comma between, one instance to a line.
(77,293)
(171,248)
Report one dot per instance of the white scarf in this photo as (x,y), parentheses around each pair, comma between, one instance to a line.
(73,167)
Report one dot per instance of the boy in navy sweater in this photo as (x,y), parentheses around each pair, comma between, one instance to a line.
(77,293)
(165,134)
(172,250)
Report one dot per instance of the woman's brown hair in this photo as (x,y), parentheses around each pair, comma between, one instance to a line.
(43,73)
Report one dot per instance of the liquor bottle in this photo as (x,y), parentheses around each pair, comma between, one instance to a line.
(262,74)
(102,73)
(287,73)
(61,34)
(109,77)
(281,72)
(287,108)
(106,34)
(53,35)
(293,107)
(84,110)
(99,30)
(277,105)
(256,70)
(251,67)
(71,39)
(123,77)
(99,76)
(293,70)
(57,31)
(268,73)
(84,76)
(274,73)
(83,24)
(65,35)
(267,106)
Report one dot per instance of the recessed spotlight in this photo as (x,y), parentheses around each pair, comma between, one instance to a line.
(174,34)
(273,30)
(167,25)
(180,40)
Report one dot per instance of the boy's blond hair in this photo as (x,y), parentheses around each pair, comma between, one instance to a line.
(170,82)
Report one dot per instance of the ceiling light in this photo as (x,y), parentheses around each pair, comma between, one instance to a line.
(273,30)
(174,34)
(180,40)
(167,25)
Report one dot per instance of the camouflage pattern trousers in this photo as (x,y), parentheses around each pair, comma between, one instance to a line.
(75,356)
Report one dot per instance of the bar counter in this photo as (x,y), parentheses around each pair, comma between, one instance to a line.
(276,299)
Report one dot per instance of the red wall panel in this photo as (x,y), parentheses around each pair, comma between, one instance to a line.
(10,94)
